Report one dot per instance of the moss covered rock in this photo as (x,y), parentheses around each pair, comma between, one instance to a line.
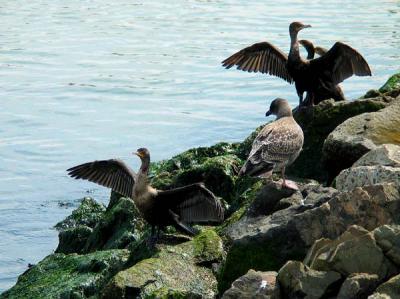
(68,276)
(392,83)
(180,271)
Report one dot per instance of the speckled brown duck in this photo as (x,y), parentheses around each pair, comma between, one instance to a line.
(179,207)
(276,146)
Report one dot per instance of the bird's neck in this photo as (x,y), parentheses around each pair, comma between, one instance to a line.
(141,183)
(294,46)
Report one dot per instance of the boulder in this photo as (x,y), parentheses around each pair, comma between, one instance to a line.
(355,251)
(390,289)
(358,135)
(73,240)
(392,84)
(68,275)
(377,166)
(388,239)
(358,285)
(180,271)
(299,281)
(267,242)
(254,284)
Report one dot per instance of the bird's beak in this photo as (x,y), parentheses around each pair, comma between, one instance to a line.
(137,154)
(306,26)
(268,113)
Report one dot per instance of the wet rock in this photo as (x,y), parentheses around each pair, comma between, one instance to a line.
(73,240)
(389,289)
(393,83)
(388,239)
(267,242)
(254,284)
(180,271)
(358,135)
(299,281)
(61,276)
(88,214)
(355,251)
(118,226)
(358,285)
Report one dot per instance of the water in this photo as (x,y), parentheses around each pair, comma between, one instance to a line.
(84,80)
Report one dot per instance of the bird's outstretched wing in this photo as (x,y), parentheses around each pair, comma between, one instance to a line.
(340,63)
(193,204)
(261,57)
(113,173)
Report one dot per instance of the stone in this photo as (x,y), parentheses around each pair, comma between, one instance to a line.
(180,271)
(299,281)
(392,83)
(385,155)
(267,242)
(68,276)
(73,240)
(389,289)
(355,251)
(88,213)
(388,239)
(353,177)
(358,285)
(254,284)
(358,135)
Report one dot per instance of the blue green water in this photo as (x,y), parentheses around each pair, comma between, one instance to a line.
(85,80)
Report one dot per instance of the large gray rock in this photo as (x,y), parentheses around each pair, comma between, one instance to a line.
(358,285)
(299,281)
(355,251)
(381,165)
(253,285)
(389,289)
(360,134)
(267,242)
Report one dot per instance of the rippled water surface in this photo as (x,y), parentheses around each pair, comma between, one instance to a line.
(84,80)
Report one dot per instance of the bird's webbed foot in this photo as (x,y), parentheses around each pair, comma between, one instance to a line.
(289,185)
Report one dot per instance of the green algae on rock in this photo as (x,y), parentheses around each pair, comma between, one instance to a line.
(392,83)
(179,271)
(60,275)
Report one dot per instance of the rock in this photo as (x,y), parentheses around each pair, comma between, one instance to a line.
(88,213)
(388,239)
(67,276)
(299,281)
(355,251)
(358,135)
(385,155)
(180,271)
(118,226)
(393,83)
(267,242)
(377,166)
(254,284)
(73,240)
(353,177)
(316,194)
(358,285)
(389,289)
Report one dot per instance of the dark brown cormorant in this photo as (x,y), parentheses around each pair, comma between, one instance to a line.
(316,77)
(311,51)
(277,145)
(178,207)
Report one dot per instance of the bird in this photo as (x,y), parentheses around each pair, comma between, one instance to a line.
(311,51)
(276,146)
(178,207)
(318,76)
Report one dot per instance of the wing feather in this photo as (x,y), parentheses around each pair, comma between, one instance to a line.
(340,63)
(112,173)
(261,57)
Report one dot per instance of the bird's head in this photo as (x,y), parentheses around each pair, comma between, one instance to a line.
(144,155)
(280,108)
(295,27)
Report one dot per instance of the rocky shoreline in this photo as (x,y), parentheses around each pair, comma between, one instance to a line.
(337,237)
